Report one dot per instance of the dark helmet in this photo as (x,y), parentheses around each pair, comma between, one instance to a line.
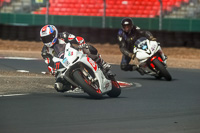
(127,24)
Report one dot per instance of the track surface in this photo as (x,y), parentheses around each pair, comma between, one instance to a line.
(149,106)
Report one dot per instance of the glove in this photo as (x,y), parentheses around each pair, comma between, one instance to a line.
(51,70)
(83,45)
(132,56)
(152,38)
(81,42)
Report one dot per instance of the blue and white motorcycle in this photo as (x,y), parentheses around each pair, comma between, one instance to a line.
(151,59)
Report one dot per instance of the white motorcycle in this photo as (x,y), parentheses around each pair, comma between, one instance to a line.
(151,59)
(81,71)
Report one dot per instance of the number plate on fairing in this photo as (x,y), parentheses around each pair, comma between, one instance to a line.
(153,46)
(92,63)
(65,61)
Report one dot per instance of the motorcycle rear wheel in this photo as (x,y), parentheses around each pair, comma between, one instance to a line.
(83,82)
(163,71)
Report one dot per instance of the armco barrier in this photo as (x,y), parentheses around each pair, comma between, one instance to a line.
(99,35)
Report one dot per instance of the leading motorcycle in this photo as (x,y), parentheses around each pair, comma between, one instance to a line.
(81,71)
(150,58)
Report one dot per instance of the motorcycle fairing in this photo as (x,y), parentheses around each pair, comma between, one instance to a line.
(73,59)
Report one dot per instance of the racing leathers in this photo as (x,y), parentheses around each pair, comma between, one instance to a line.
(126,45)
(57,50)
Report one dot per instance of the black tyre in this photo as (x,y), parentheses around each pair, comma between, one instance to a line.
(158,77)
(162,70)
(85,84)
(116,90)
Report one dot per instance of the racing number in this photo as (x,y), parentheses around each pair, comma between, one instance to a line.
(57,65)
(92,63)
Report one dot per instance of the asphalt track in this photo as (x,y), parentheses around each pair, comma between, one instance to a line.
(149,106)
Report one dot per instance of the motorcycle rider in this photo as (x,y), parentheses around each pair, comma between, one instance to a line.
(127,36)
(54,44)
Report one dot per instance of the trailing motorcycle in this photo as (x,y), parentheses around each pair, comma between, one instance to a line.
(151,59)
(81,71)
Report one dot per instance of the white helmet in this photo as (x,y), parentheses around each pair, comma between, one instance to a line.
(49,35)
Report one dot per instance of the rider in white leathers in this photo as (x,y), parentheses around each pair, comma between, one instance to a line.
(54,45)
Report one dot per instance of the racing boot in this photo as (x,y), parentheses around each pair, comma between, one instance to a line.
(105,67)
(137,68)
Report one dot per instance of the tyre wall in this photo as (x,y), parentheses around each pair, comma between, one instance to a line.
(99,35)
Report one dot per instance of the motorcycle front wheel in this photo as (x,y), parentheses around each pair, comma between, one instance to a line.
(116,89)
(162,70)
(90,88)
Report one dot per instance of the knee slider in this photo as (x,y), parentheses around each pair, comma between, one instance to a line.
(123,67)
(126,67)
(58,86)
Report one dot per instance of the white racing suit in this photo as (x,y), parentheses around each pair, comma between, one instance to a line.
(57,50)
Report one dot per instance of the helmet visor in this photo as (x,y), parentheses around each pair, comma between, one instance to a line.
(49,38)
(127,28)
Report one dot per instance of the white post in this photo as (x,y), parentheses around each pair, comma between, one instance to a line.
(47,12)
(160,17)
(104,14)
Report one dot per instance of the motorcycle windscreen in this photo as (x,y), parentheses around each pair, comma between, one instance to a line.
(141,43)
(59,50)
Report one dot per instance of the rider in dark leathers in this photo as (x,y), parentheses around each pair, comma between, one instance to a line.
(127,36)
